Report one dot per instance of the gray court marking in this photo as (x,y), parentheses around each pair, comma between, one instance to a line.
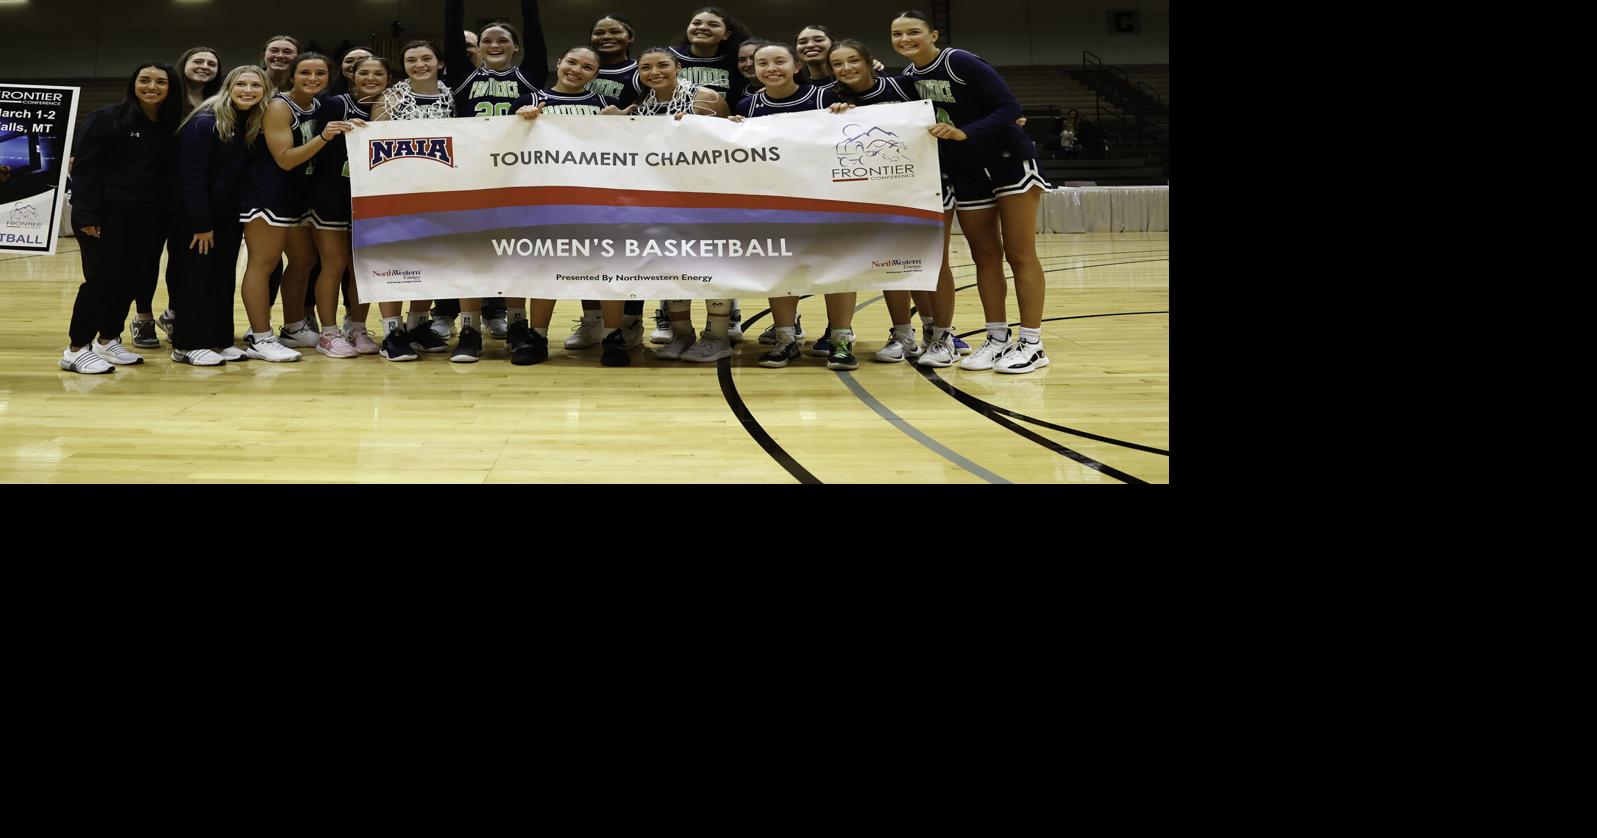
(913,432)
(909,430)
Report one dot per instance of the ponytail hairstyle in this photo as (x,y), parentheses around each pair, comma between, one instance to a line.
(303,57)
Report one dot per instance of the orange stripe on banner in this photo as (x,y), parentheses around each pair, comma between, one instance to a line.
(380,206)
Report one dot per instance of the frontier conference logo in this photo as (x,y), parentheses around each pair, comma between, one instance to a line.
(871,154)
(24,216)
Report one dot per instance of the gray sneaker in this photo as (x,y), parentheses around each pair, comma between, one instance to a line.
(680,343)
(144,336)
(709,348)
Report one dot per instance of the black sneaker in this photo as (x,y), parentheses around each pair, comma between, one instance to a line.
(534,351)
(615,350)
(842,357)
(396,346)
(517,335)
(785,350)
(469,347)
(424,339)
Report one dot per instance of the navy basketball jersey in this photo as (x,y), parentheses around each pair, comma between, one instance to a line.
(619,85)
(806,98)
(304,128)
(586,103)
(715,73)
(491,93)
(886,89)
(970,95)
(333,161)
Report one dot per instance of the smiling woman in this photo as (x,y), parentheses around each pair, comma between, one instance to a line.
(121,163)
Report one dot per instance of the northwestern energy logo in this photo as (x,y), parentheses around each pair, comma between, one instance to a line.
(871,154)
(436,149)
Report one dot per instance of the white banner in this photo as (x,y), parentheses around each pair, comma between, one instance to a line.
(614,207)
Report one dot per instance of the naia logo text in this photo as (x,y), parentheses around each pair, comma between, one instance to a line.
(871,154)
(437,149)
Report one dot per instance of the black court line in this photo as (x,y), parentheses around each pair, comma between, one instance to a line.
(729,390)
(984,409)
(1103,265)
(1073,431)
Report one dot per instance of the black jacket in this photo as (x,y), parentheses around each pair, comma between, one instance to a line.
(119,169)
(209,172)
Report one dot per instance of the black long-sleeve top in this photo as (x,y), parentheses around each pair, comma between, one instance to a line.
(209,171)
(119,168)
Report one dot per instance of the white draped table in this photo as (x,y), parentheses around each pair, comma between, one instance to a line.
(1103,209)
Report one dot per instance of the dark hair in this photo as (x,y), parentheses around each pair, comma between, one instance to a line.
(842,90)
(167,116)
(736,32)
(515,37)
(625,24)
(823,29)
(418,44)
(303,57)
(585,47)
(798,62)
(666,51)
(211,87)
(757,42)
(340,85)
(918,16)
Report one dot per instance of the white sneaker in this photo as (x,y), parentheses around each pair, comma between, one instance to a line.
(270,349)
(498,327)
(361,339)
(632,333)
(939,354)
(734,329)
(680,343)
(443,327)
(662,326)
(898,348)
(335,345)
(198,357)
(231,353)
(709,348)
(588,332)
(84,361)
(306,336)
(1023,356)
(987,355)
(116,353)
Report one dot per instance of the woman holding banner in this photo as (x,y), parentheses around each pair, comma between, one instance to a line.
(528,340)
(491,89)
(330,212)
(659,71)
(776,65)
(997,183)
(418,96)
(274,212)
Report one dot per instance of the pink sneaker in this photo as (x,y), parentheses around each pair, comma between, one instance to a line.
(335,345)
(362,340)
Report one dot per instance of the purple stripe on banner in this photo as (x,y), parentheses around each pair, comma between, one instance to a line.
(376,231)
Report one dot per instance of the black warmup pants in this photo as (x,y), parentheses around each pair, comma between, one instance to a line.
(125,258)
(204,293)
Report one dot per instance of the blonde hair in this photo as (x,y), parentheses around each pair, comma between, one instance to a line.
(221,107)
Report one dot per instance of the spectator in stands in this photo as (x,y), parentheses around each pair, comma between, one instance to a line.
(1069,141)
